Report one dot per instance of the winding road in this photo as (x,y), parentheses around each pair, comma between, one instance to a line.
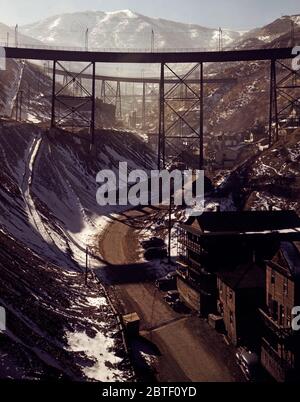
(190,350)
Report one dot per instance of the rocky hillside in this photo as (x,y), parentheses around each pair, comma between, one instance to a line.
(274,177)
(240,106)
(264,36)
(48,215)
(56,327)
(30,80)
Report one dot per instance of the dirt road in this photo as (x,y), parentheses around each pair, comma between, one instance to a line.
(190,349)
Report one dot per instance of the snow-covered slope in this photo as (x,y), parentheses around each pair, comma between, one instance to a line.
(124,29)
(8,36)
(35,86)
(10,81)
(48,216)
(269,33)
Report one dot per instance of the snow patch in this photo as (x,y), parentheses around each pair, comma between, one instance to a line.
(99,349)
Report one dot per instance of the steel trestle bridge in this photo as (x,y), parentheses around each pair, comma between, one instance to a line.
(167,94)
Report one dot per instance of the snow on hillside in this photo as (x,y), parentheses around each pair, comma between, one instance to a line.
(48,216)
(52,207)
(274,177)
(36,88)
(8,36)
(269,33)
(124,29)
(10,81)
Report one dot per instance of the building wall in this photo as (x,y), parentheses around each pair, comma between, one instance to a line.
(228,299)
(189,295)
(280,299)
(271,364)
(281,290)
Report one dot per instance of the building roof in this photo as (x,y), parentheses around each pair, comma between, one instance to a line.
(245,222)
(291,259)
(246,276)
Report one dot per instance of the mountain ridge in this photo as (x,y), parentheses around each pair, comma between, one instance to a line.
(124,28)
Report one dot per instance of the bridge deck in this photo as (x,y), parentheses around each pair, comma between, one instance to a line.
(144,80)
(155,57)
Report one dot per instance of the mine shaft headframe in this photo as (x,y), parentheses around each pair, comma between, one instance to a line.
(284,98)
(78,111)
(180,115)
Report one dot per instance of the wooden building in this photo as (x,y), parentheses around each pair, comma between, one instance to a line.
(217,242)
(240,294)
(280,350)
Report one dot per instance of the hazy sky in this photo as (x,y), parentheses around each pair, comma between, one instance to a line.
(236,14)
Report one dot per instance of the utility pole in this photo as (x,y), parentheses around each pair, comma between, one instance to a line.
(220,39)
(86,264)
(170,230)
(93,115)
(53,94)
(7,39)
(161,137)
(144,107)
(16,35)
(152,40)
(19,102)
(29,97)
(292,33)
(87,39)
(17,106)
(201,131)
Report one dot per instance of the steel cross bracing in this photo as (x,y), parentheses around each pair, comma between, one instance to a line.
(112,95)
(273,117)
(277,92)
(180,117)
(149,80)
(284,98)
(73,104)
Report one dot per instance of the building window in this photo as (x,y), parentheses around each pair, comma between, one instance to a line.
(288,318)
(285,287)
(270,302)
(281,315)
(275,310)
(273,277)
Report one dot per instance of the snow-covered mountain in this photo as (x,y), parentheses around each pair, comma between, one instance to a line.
(124,29)
(8,35)
(286,26)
